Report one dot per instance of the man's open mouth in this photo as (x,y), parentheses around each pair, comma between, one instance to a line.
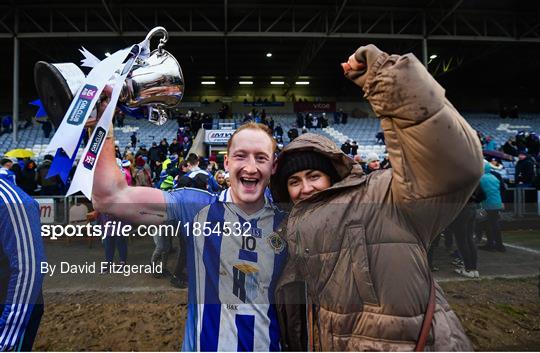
(249,182)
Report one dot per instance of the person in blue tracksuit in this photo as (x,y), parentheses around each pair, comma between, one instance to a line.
(21,255)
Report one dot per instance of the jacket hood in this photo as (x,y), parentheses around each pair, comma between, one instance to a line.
(487,167)
(343,164)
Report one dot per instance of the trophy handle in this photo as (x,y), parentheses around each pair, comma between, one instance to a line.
(155,31)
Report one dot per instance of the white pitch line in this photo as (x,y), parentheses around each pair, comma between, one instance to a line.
(534,251)
(461,279)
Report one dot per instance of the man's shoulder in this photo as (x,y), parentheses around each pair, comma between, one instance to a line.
(190,195)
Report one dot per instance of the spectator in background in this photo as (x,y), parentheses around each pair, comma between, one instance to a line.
(220,179)
(385,163)
(373,163)
(278,132)
(344,117)
(7,125)
(47,128)
(154,155)
(300,120)
(292,133)
(212,167)
(190,113)
(497,167)
(223,111)
(117,151)
(271,124)
(130,157)
(324,121)
(521,141)
(183,168)
(186,146)
(142,176)
(133,139)
(346,147)
(380,137)
(315,122)
(201,179)
(171,161)
(17,167)
(168,176)
(174,147)
(490,185)
(490,144)
(120,116)
(126,168)
(309,121)
(142,151)
(164,146)
(247,118)
(28,178)
(196,122)
(49,186)
(354,148)
(533,144)
(337,117)
(227,180)
(510,147)
(524,169)
(180,134)
(5,170)
(463,229)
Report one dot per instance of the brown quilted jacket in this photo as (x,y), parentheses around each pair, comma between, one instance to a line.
(361,245)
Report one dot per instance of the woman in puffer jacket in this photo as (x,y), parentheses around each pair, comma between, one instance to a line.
(358,241)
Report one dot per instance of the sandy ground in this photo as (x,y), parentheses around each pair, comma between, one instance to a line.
(498,315)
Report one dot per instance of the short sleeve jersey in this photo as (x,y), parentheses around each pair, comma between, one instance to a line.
(233,262)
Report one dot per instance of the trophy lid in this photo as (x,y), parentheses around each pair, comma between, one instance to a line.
(53,90)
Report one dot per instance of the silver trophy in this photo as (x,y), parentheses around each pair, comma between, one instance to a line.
(154,84)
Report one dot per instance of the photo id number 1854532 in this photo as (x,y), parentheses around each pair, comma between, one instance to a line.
(206,229)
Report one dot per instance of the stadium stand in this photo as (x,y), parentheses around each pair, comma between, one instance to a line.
(361,130)
(32,138)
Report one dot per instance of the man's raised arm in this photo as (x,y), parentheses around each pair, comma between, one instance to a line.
(112,195)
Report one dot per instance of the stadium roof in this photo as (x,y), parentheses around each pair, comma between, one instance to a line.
(482,46)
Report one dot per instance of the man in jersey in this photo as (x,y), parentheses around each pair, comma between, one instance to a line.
(21,254)
(197,177)
(234,256)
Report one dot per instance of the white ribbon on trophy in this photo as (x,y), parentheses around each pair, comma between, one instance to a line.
(68,133)
(84,174)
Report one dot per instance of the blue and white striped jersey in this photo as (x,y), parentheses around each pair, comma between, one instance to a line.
(232,271)
(21,253)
